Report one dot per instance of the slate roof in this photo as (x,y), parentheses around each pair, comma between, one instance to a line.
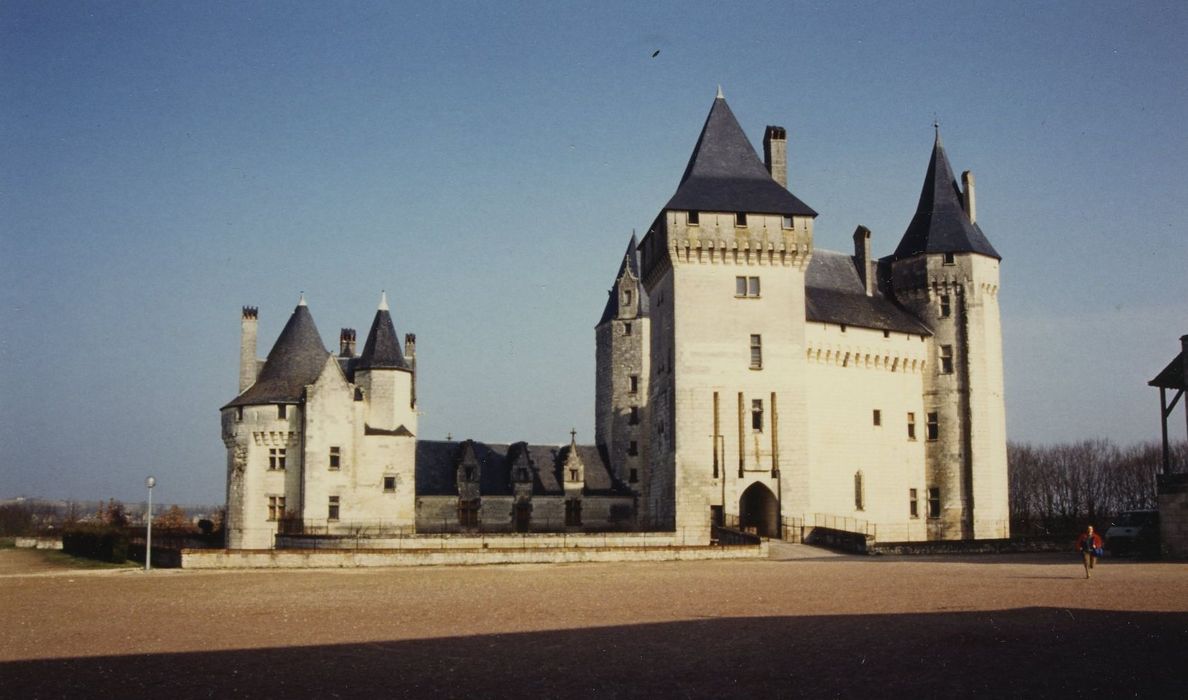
(725,173)
(941,224)
(296,359)
(382,349)
(437,463)
(1172,376)
(630,261)
(834,293)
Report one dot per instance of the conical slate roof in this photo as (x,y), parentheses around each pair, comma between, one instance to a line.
(382,349)
(296,359)
(941,224)
(725,174)
(630,262)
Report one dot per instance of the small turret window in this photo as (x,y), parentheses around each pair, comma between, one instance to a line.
(633,448)
(934,504)
(389,484)
(946,308)
(694,218)
(946,359)
(787,222)
(626,329)
(282,411)
(740,218)
(757,415)
(932,427)
(634,388)
(626,297)
(949,259)
(335,458)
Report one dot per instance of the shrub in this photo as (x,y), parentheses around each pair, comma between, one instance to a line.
(97,542)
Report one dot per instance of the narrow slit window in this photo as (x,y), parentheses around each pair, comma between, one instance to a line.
(756,352)
(932,427)
(946,308)
(946,359)
(757,415)
(335,458)
(911,426)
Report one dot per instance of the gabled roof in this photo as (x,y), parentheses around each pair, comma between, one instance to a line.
(1173,376)
(630,263)
(725,174)
(834,293)
(296,360)
(941,224)
(437,462)
(382,349)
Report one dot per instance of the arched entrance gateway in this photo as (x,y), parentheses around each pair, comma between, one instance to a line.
(758,508)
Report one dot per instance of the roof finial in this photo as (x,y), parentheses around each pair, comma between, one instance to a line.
(720,95)
(301,301)
(383,305)
(573,436)
(936,127)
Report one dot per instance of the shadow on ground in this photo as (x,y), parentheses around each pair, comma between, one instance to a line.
(1032,651)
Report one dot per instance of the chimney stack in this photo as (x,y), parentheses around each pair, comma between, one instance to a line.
(247,347)
(410,357)
(862,255)
(346,342)
(775,154)
(967,199)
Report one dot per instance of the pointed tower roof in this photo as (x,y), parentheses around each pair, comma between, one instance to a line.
(941,224)
(382,349)
(630,263)
(725,173)
(295,360)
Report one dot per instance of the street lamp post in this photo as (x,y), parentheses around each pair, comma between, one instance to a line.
(148,543)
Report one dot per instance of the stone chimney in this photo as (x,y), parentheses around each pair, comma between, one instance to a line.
(247,348)
(775,154)
(346,342)
(410,357)
(866,266)
(967,199)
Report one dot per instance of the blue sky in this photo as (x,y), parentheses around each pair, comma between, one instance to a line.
(162,164)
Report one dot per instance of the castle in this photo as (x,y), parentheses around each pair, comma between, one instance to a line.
(744,378)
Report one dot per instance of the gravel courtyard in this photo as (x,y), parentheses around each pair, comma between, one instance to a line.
(808,623)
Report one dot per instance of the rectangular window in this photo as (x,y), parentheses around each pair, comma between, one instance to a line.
(573,475)
(946,359)
(633,382)
(332,513)
(633,448)
(859,492)
(626,297)
(573,512)
(934,510)
(276,458)
(746,287)
(756,352)
(949,259)
(276,507)
(913,503)
(752,286)
(633,476)
(468,513)
(694,218)
(634,419)
(335,458)
(876,417)
(945,308)
(740,218)
(787,222)
(282,411)
(757,415)
(626,329)
(932,428)
(911,426)
(389,484)
(239,413)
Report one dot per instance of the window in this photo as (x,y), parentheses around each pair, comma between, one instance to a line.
(787,222)
(756,352)
(913,503)
(335,458)
(949,259)
(946,307)
(626,329)
(276,458)
(740,218)
(276,507)
(877,417)
(746,287)
(911,426)
(934,502)
(633,476)
(694,218)
(332,513)
(843,328)
(932,427)
(389,484)
(573,512)
(632,448)
(946,359)
(633,384)
(859,492)
(282,411)
(573,475)
(468,473)
(634,419)
(626,297)
(468,513)
(886,334)
(239,413)
(757,415)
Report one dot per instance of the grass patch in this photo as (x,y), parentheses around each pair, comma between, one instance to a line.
(7,542)
(67,561)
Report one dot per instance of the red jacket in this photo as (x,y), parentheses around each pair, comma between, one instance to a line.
(1096,544)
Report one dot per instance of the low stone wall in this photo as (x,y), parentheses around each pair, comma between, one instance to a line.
(1012,546)
(454,556)
(425,541)
(38,542)
(1173,514)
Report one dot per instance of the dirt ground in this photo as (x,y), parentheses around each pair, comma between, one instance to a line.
(808,623)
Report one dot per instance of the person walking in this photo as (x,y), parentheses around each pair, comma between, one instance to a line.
(1089,544)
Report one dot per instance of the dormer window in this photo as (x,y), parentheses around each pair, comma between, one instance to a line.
(468,473)
(694,218)
(740,218)
(787,222)
(949,259)
(626,297)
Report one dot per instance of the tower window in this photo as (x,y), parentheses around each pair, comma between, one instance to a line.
(573,475)
(626,329)
(276,458)
(740,218)
(911,423)
(632,448)
(757,415)
(633,476)
(946,308)
(335,458)
(276,507)
(634,419)
(332,510)
(633,384)
(746,287)
(787,222)
(626,297)
(859,492)
(694,218)
(756,352)
(932,428)
(913,503)
(877,417)
(934,509)
(949,259)
(282,411)
(239,413)
(389,484)
(946,359)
